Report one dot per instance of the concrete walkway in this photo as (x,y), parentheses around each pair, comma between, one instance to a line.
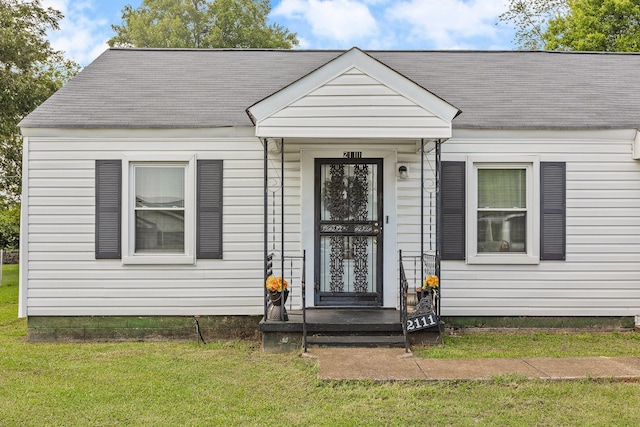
(387,364)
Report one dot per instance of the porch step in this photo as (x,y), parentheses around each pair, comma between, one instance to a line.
(354,328)
(334,327)
(355,341)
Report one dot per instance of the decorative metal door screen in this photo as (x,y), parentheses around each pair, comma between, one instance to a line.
(348,248)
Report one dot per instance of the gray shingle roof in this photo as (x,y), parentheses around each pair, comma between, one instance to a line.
(165,88)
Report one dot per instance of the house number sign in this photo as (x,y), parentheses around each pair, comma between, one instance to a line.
(352,154)
(423,321)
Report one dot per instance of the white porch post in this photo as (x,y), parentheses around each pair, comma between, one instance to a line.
(438,219)
(268,260)
(282,311)
(422,209)
(266,221)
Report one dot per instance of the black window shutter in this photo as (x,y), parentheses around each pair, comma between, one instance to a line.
(452,188)
(553,207)
(108,208)
(209,210)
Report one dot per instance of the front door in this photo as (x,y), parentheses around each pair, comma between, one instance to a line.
(348,236)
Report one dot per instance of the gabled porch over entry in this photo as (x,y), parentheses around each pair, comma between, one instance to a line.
(333,142)
(336,286)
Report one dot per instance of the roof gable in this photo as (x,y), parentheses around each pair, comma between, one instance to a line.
(356,96)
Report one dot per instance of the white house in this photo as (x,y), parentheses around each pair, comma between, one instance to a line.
(156,181)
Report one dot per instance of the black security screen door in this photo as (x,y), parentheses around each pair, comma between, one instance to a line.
(348,238)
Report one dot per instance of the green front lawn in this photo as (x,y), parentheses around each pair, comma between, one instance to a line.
(235,384)
(9,295)
(535,344)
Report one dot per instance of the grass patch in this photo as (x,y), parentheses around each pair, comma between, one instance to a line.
(234,383)
(9,294)
(535,344)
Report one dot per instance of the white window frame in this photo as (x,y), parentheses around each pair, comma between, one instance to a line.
(129,257)
(531,164)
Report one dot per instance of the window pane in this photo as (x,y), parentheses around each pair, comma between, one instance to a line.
(160,186)
(502,188)
(502,231)
(159,212)
(159,231)
(349,192)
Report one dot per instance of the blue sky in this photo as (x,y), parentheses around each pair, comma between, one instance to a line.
(320,24)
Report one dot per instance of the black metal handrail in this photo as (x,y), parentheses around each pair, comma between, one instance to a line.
(404,290)
(304,301)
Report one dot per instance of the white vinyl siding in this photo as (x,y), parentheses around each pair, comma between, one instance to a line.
(354,105)
(61,276)
(600,274)
(61,273)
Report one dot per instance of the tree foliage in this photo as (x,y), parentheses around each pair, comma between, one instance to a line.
(200,24)
(10,226)
(596,25)
(30,71)
(582,25)
(531,19)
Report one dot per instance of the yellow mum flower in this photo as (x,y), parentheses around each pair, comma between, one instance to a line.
(282,284)
(431,282)
(276,285)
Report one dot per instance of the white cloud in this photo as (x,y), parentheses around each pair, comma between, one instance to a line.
(303,43)
(447,24)
(60,5)
(342,21)
(396,24)
(82,35)
(320,24)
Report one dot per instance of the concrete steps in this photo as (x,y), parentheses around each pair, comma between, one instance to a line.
(355,328)
(340,327)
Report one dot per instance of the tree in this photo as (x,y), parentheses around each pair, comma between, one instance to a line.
(531,19)
(10,226)
(596,25)
(584,25)
(200,24)
(30,72)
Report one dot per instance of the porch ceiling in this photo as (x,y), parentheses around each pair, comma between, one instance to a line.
(353,96)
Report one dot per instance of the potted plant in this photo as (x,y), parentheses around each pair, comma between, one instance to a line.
(429,287)
(278,293)
(426,295)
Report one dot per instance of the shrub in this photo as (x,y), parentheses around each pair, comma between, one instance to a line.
(10,226)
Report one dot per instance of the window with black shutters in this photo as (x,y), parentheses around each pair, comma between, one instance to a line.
(498,212)
(159,211)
